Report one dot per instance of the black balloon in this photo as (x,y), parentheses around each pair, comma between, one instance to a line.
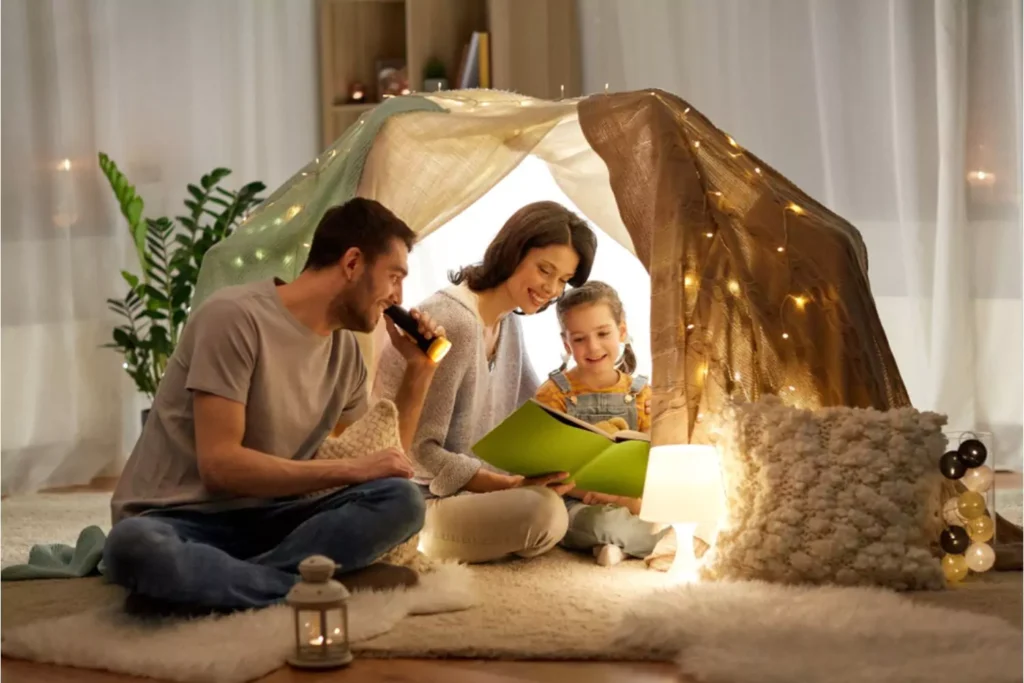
(951,465)
(973,453)
(954,540)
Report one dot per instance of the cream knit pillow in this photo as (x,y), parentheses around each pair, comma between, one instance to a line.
(375,431)
(835,495)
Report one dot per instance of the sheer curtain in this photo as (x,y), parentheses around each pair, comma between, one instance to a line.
(903,116)
(169,90)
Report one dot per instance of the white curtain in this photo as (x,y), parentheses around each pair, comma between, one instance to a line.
(169,90)
(904,117)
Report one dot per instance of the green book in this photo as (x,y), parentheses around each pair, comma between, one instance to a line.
(538,440)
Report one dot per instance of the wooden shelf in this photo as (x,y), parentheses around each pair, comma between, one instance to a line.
(534,47)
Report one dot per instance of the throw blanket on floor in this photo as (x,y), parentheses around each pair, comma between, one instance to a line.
(61,561)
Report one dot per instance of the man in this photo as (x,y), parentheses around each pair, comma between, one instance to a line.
(211,511)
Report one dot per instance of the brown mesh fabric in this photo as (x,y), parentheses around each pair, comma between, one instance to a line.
(755,287)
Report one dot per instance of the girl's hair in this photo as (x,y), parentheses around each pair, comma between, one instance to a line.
(596,292)
(535,226)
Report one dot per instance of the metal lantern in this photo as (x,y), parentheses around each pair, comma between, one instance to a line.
(321,616)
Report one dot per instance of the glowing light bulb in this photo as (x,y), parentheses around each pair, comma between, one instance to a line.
(697,144)
(260,254)
(981,178)
(64,165)
(306,245)
(709,235)
(690,326)
(238,262)
(780,249)
(605,88)
(686,111)
(737,376)
(785,335)
(124,365)
(687,281)
(292,211)
(796,208)
(731,141)
(734,287)
(791,387)
(757,170)
(800,301)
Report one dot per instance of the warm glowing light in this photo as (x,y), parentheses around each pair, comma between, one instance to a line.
(690,326)
(981,178)
(562,90)
(800,301)
(260,254)
(292,211)
(687,281)
(785,335)
(605,88)
(757,170)
(781,249)
(709,235)
(238,262)
(795,208)
(731,141)
(736,376)
(306,245)
(696,144)
(734,287)
(686,111)
(791,387)
(64,165)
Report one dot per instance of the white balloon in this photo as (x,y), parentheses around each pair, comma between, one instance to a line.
(978,479)
(980,557)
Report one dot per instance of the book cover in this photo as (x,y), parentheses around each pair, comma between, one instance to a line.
(537,440)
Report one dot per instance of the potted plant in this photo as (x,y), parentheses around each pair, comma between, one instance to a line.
(156,305)
(435,76)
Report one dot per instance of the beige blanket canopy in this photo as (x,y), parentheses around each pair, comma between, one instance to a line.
(755,287)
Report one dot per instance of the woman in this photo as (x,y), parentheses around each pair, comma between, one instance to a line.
(474,512)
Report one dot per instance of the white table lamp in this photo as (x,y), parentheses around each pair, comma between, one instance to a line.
(684,489)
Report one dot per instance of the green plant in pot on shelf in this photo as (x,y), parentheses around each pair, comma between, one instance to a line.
(435,76)
(156,306)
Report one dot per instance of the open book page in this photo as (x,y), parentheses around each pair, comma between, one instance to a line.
(622,435)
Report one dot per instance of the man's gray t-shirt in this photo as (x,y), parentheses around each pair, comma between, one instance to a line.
(244,345)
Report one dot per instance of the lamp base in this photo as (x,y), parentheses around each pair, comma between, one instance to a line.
(684,566)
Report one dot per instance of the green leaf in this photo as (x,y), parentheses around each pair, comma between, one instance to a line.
(214,177)
(130,278)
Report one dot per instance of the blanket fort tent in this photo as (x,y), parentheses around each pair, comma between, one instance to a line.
(755,287)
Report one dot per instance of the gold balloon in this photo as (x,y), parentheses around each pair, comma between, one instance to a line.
(980,557)
(981,529)
(970,505)
(954,567)
(978,479)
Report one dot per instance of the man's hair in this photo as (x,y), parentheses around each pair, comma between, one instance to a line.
(362,223)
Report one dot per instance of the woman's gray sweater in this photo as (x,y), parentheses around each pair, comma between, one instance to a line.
(467,397)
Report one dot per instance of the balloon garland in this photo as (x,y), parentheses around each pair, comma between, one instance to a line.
(965,539)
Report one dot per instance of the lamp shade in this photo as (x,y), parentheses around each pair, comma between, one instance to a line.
(684,484)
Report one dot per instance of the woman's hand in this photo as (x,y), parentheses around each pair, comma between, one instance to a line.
(555,481)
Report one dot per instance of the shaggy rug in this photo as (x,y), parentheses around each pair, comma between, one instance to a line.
(761,633)
(564,606)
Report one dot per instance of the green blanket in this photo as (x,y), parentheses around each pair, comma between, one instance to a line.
(60,561)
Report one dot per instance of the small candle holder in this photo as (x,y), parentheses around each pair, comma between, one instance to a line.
(321,617)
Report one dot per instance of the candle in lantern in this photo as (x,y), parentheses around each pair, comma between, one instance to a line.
(321,616)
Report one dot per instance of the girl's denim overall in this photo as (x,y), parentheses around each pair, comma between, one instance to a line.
(593,526)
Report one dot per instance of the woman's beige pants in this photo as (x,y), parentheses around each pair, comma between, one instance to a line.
(480,527)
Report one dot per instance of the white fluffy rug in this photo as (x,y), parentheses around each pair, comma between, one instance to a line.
(760,633)
(229,649)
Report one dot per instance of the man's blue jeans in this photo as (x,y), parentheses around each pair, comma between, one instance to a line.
(249,557)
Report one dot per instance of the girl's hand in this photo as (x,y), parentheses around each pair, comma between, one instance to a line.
(631,504)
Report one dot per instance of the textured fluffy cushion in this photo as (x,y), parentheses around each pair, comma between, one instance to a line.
(375,431)
(836,495)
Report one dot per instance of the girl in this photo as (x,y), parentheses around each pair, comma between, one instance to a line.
(602,391)
(475,513)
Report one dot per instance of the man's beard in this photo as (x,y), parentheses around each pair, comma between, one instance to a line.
(356,308)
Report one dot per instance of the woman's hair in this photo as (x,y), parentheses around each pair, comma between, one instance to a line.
(535,226)
(589,294)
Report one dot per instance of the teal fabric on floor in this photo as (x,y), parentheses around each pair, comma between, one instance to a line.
(61,561)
